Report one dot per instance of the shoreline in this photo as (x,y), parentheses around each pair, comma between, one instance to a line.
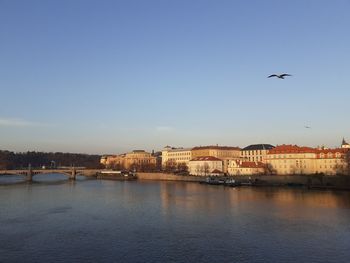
(335,182)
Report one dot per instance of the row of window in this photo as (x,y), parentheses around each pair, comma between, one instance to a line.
(332,166)
(255,159)
(142,161)
(180,159)
(304,161)
(255,152)
(322,155)
(180,154)
(292,166)
(330,155)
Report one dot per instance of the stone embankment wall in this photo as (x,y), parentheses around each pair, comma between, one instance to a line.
(312,181)
(168,177)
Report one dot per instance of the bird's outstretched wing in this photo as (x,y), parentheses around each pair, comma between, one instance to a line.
(285,75)
(307,127)
(273,75)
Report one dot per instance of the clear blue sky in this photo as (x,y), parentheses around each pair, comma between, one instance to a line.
(111,76)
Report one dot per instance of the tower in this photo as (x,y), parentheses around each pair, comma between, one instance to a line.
(345,145)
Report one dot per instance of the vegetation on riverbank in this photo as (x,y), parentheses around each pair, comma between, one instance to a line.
(20,160)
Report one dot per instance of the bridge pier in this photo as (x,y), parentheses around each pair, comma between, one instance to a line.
(29,176)
(73,175)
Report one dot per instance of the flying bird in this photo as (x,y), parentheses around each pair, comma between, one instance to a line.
(279,76)
(307,127)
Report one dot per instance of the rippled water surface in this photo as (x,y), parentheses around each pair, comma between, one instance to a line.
(111,221)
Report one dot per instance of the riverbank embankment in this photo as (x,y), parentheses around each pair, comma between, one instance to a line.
(169,177)
(337,182)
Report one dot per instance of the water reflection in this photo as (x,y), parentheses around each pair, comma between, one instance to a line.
(108,221)
(11,179)
(193,195)
(38,178)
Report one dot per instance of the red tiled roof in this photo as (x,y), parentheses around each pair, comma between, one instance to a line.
(281,149)
(337,150)
(285,149)
(333,152)
(205,158)
(216,148)
(252,165)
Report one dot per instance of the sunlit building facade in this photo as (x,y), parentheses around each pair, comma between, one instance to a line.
(256,152)
(224,153)
(138,159)
(331,161)
(240,167)
(205,166)
(220,152)
(174,156)
(293,159)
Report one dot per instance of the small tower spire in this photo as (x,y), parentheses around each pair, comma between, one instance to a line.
(344,142)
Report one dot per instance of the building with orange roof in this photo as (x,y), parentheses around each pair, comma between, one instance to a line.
(293,159)
(256,152)
(224,153)
(240,167)
(205,166)
(331,161)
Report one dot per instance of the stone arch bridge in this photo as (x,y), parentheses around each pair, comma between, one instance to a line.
(71,173)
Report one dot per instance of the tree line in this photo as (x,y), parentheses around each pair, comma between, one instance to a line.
(21,160)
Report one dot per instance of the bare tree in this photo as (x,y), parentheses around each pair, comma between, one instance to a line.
(347,162)
(111,165)
(182,168)
(198,168)
(269,170)
(201,170)
(206,169)
(119,166)
(340,169)
(170,166)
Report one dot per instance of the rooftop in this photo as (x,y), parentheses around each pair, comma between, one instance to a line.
(252,165)
(253,147)
(291,149)
(180,150)
(216,147)
(282,149)
(205,158)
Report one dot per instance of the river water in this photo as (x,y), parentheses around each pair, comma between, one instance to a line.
(150,221)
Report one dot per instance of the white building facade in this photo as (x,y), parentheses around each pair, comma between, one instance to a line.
(205,166)
(256,152)
(239,167)
(174,156)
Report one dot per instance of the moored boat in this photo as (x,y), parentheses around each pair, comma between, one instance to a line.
(221,181)
(117,175)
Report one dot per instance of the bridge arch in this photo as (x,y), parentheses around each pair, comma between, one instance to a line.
(70,173)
